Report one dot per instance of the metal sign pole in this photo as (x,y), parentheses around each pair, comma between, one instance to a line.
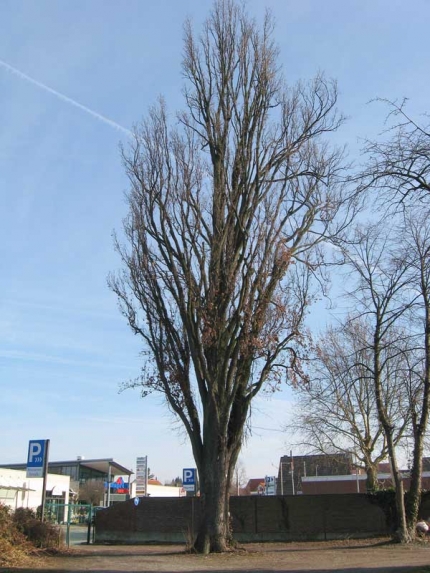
(90,523)
(45,478)
(108,489)
(69,510)
(292,471)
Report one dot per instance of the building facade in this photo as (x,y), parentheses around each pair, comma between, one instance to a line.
(293,468)
(81,471)
(16,490)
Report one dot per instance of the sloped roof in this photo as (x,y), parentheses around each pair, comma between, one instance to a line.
(254,483)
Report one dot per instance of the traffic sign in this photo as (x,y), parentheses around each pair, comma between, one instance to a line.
(142,476)
(270,485)
(189,479)
(37,450)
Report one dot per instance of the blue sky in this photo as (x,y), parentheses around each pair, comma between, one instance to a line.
(64,347)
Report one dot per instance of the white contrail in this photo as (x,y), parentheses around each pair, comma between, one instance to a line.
(98,116)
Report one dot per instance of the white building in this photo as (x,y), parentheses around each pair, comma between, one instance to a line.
(156,489)
(16,490)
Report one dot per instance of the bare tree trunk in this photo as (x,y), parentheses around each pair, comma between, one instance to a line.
(372,477)
(413,500)
(216,466)
(402,534)
(402,530)
(213,534)
(216,461)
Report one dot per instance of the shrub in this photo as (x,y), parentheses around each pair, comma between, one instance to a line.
(22,518)
(14,546)
(42,534)
(22,535)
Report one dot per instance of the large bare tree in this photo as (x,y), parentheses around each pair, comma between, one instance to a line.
(226,212)
(379,298)
(398,168)
(92,491)
(415,249)
(392,269)
(336,410)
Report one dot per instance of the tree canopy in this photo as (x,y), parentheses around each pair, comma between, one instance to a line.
(227,211)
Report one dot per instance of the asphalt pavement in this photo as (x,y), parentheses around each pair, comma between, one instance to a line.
(78,534)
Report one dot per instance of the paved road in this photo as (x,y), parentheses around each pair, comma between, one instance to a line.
(78,534)
(349,556)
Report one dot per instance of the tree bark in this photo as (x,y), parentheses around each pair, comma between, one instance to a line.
(413,499)
(402,533)
(213,533)
(372,477)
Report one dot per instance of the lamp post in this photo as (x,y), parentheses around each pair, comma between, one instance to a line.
(108,485)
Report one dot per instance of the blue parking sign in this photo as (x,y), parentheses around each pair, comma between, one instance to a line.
(189,479)
(36,458)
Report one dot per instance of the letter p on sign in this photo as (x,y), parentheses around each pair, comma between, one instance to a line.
(36,458)
(189,479)
(35,450)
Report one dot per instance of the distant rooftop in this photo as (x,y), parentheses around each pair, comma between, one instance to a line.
(99,464)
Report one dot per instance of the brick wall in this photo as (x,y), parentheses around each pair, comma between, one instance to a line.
(153,520)
(254,518)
